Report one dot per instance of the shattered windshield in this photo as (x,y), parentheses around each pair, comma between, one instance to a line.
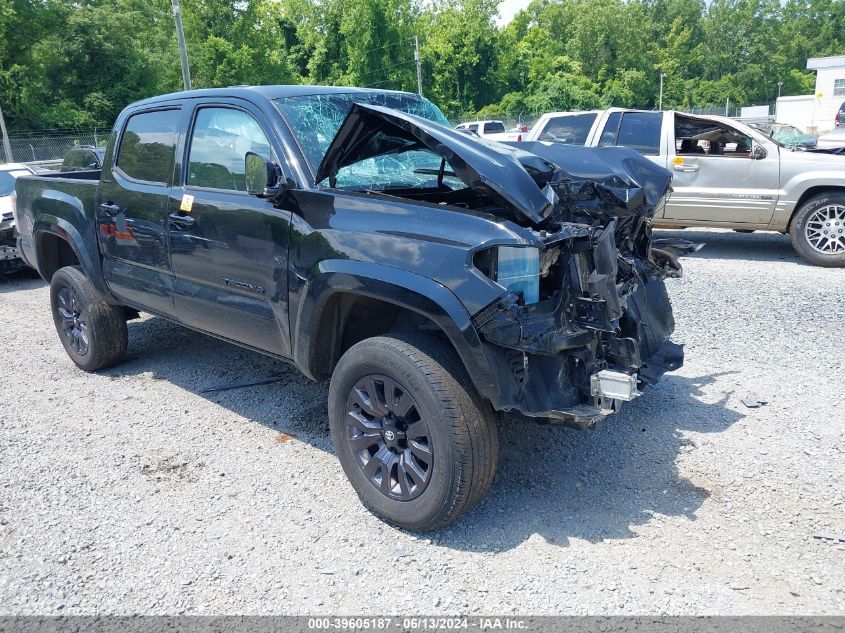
(315,119)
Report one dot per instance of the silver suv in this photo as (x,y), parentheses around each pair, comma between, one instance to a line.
(726,174)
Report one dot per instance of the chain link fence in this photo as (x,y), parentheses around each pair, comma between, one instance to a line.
(45,149)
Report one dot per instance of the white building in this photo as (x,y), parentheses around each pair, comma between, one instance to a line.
(830,89)
(816,112)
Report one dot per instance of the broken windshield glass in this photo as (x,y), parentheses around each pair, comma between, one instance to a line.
(315,120)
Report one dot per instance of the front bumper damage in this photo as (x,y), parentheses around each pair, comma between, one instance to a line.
(600,332)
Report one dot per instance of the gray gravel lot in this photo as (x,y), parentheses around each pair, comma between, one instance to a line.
(132,491)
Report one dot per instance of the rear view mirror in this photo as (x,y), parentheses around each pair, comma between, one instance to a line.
(263,177)
(759,152)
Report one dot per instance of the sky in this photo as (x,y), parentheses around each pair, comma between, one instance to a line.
(508,8)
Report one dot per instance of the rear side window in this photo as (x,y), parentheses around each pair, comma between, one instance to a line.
(493,127)
(149,145)
(71,160)
(638,130)
(91,161)
(569,129)
(611,128)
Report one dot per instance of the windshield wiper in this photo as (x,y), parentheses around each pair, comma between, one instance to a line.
(434,172)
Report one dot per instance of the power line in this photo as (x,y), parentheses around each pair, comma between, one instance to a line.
(378,48)
(379,83)
(378,70)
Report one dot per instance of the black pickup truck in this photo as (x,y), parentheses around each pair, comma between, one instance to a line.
(434,277)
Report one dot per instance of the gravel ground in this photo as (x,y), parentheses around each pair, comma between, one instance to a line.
(134,491)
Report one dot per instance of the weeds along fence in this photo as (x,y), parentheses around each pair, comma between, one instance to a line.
(46,148)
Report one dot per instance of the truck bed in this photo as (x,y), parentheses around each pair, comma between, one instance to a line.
(86,174)
(63,199)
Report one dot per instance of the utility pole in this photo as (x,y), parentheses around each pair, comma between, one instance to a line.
(7,146)
(183,51)
(780,85)
(419,64)
(660,107)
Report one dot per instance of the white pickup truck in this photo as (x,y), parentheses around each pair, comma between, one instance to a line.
(491,130)
(726,174)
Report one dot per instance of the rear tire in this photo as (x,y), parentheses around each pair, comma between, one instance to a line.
(418,445)
(818,230)
(92,331)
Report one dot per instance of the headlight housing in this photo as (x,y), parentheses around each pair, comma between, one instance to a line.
(515,268)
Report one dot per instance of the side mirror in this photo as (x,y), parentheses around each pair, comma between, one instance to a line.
(263,177)
(759,152)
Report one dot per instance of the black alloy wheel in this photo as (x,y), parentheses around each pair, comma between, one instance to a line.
(418,444)
(73,325)
(92,331)
(389,437)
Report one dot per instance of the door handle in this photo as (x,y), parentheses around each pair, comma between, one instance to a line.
(184,221)
(110,208)
(686,168)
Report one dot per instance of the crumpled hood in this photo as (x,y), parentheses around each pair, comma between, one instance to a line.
(528,180)
(492,168)
(619,175)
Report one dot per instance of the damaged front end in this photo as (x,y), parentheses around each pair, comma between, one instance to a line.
(598,331)
(584,319)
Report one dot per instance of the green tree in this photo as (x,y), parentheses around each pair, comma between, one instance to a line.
(461,52)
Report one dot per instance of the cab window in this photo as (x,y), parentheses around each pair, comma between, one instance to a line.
(148,145)
(220,141)
(494,127)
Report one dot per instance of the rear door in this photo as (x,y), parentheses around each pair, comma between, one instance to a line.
(133,207)
(229,250)
(717,178)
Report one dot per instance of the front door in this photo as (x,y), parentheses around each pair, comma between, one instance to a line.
(229,250)
(721,175)
(132,209)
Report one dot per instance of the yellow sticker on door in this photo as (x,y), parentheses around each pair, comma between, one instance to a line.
(678,160)
(187,203)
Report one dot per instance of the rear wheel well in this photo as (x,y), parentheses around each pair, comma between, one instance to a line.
(54,253)
(348,319)
(811,193)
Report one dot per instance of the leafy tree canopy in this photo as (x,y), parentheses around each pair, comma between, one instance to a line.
(77,63)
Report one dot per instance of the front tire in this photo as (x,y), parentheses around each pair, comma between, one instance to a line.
(818,230)
(92,331)
(418,446)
